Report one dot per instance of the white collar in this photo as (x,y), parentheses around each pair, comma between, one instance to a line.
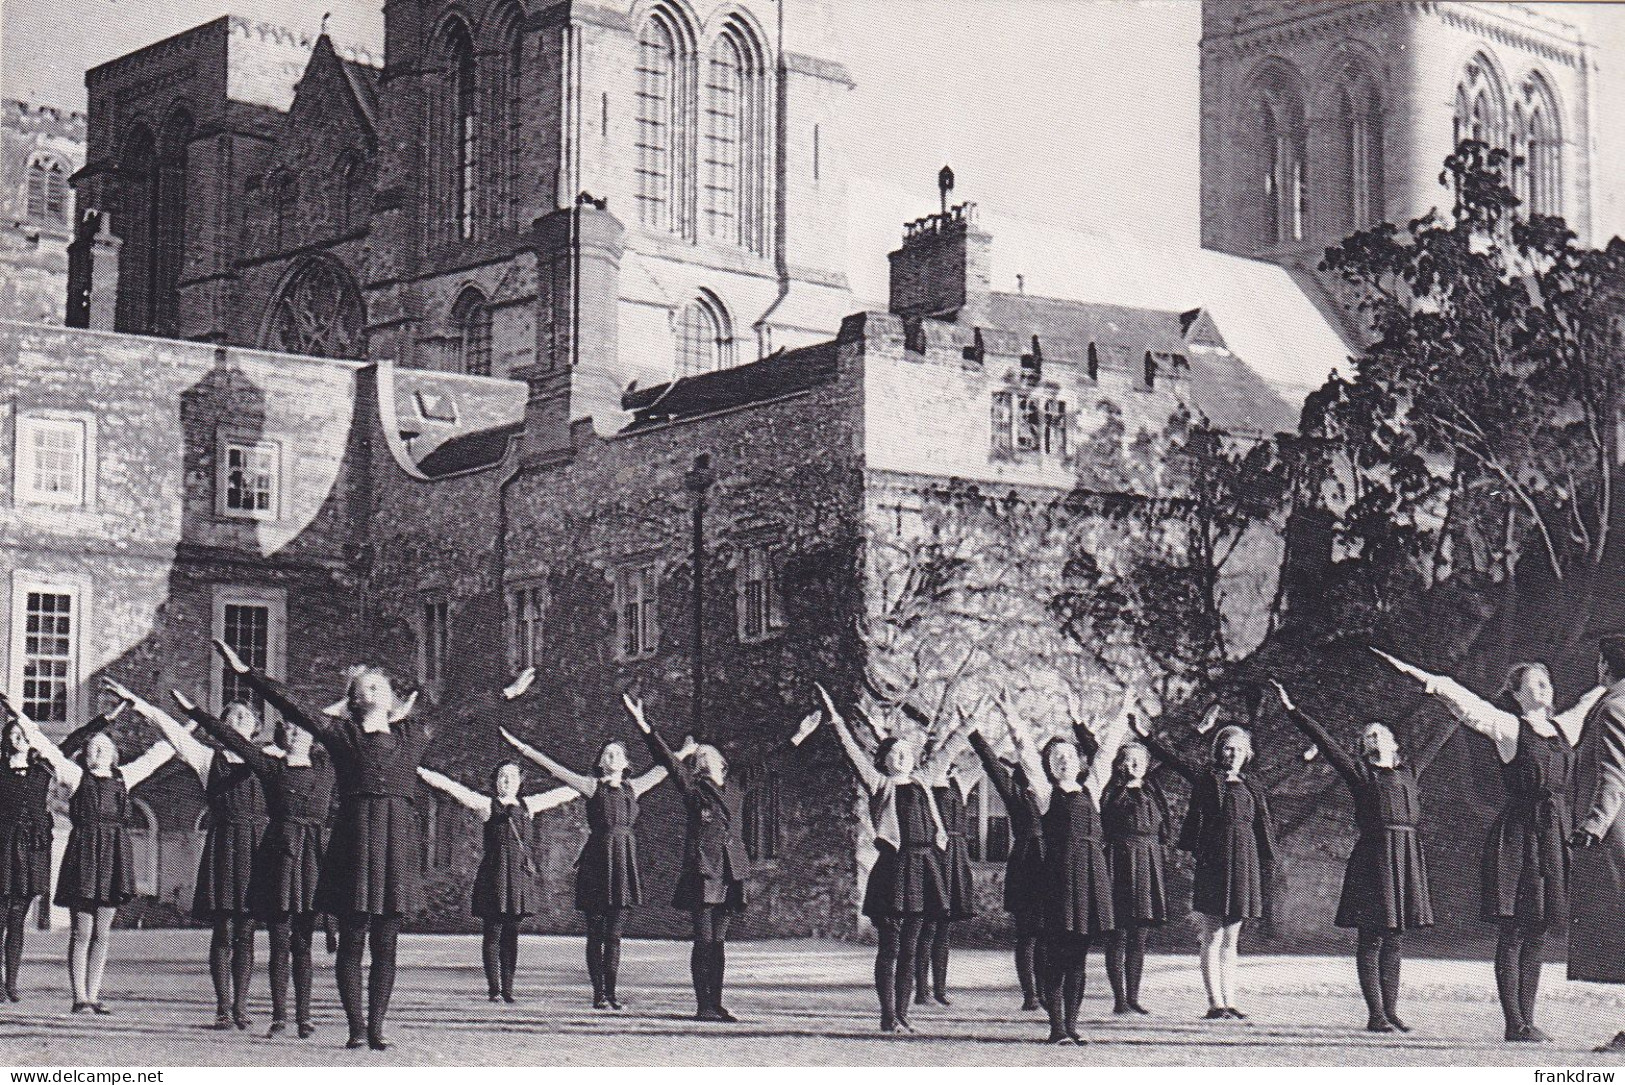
(1071,787)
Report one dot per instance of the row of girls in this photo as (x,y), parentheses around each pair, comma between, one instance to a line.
(1089,821)
(1090,824)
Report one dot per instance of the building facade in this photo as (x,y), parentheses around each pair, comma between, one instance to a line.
(40,148)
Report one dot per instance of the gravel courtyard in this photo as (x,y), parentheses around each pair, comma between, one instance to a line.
(800,1003)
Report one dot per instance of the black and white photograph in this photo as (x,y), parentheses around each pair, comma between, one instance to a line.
(876,534)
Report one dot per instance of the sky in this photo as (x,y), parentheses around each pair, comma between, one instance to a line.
(1080,114)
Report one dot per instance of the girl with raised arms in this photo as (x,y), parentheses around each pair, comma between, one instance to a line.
(98,867)
(607,877)
(25,840)
(371,877)
(1525,869)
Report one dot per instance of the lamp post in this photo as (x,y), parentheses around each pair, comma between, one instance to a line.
(698,482)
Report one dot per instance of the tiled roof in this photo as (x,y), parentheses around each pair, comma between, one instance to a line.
(453,422)
(777,375)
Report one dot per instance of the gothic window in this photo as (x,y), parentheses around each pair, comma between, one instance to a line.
(460,113)
(350,191)
(1542,149)
(1481,104)
(1279,167)
(169,229)
(704,341)
(318,312)
(48,191)
(658,115)
(1356,194)
(724,140)
(473,317)
(134,222)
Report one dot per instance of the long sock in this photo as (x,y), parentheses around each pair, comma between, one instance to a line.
(1366,956)
(242,963)
(1041,964)
(1530,959)
(1055,984)
(699,970)
(922,959)
(1134,962)
(886,956)
(79,954)
(220,965)
(719,966)
(281,931)
(100,943)
(1116,966)
(1392,953)
(347,969)
(595,955)
(510,954)
(385,932)
(612,952)
(1026,945)
(303,935)
(491,956)
(16,914)
(908,950)
(1507,947)
(1073,993)
(941,944)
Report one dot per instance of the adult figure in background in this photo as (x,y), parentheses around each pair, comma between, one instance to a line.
(1526,859)
(1597,904)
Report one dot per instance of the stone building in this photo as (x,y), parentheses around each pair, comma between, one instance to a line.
(40,148)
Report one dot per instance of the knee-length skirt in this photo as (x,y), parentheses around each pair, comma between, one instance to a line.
(958,885)
(607,872)
(1525,871)
(1024,878)
(1139,884)
(225,873)
(374,860)
(1229,881)
(98,868)
(906,881)
(1385,885)
(502,886)
(25,860)
(1078,892)
(287,871)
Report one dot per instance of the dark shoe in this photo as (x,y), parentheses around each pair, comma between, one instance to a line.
(1030,1004)
(99,1010)
(723,1014)
(11,993)
(1521,1034)
(889,1025)
(356,1041)
(1378,1024)
(241,1020)
(1216,1013)
(81,1007)
(306,1030)
(378,1041)
(943,999)
(222,1022)
(904,1023)
(706,1013)
(1121,1007)
(1060,1039)
(613,1003)
(1137,1008)
(1535,1035)
(1393,1019)
(1614,1046)
(493,996)
(277,1029)
(1075,1038)
(507,996)
(921,998)
(599,1002)
(1234,1014)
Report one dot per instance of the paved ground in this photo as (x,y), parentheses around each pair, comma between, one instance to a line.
(802,1003)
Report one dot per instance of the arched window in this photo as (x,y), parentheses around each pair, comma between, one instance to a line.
(317,311)
(144,845)
(1356,194)
(704,338)
(460,95)
(350,191)
(284,192)
(1278,144)
(134,221)
(48,190)
(736,174)
(659,111)
(1481,103)
(1542,148)
(169,240)
(473,319)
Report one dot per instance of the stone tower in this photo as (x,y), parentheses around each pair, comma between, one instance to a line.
(1323,117)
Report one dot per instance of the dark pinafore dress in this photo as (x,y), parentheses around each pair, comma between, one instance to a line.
(607,868)
(374,856)
(236,820)
(1385,885)
(25,830)
(1137,828)
(1077,880)
(502,885)
(1526,858)
(1024,867)
(1227,831)
(98,868)
(907,879)
(958,886)
(293,849)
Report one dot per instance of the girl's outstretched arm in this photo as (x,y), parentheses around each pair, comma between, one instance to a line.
(1336,755)
(869,776)
(278,695)
(196,755)
(586,785)
(547,800)
(157,755)
(640,784)
(466,796)
(1032,764)
(66,768)
(1572,721)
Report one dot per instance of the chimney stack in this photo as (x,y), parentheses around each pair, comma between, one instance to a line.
(944,267)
